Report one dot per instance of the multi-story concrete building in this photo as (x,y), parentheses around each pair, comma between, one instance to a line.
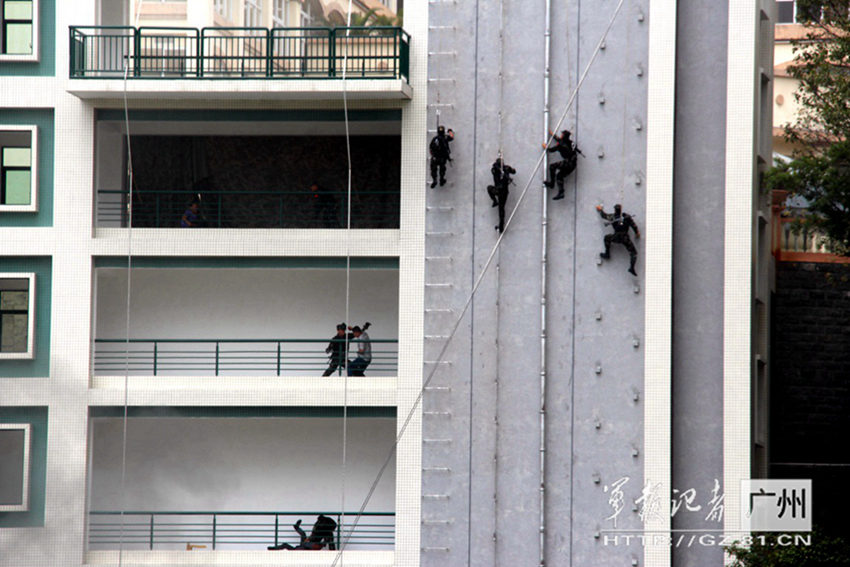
(162,389)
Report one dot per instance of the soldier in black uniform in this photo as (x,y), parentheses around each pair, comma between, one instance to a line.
(441,153)
(337,351)
(621,223)
(559,170)
(498,191)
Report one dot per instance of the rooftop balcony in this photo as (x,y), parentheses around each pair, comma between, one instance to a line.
(257,63)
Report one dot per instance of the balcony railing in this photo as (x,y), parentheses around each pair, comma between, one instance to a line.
(229,530)
(229,357)
(373,52)
(251,209)
(794,238)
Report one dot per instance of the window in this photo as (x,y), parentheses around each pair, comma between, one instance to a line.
(784,11)
(307,18)
(18,30)
(17,169)
(224,9)
(17,315)
(279,15)
(14,467)
(253,14)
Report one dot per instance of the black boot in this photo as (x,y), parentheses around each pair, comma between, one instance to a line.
(442,181)
(433,183)
(549,184)
(632,267)
(604,255)
(560,195)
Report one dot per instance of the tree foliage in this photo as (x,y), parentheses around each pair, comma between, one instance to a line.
(820,171)
(768,551)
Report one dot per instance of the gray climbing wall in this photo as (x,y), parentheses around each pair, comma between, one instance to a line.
(481,432)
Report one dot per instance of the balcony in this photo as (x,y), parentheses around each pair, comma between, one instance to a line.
(256,170)
(215,62)
(233,480)
(239,322)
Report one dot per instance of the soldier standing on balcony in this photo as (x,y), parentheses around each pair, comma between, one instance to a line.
(441,153)
(336,349)
(621,223)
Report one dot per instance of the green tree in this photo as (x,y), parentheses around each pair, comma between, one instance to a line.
(768,551)
(820,171)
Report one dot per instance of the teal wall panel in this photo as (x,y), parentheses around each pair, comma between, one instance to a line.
(46,65)
(43,119)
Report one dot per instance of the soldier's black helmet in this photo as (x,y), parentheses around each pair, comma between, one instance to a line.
(618,208)
(441,130)
(565,134)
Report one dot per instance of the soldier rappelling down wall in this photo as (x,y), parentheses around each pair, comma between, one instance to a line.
(621,223)
(559,170)
(441,153)
(499,190)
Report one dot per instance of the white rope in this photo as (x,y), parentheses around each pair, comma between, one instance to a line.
(475,287)
(125,416)
(124,424)
(344,464)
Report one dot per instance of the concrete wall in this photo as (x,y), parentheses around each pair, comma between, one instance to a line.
(483,409)
(698,230)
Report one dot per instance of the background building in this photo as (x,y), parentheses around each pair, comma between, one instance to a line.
(174,373)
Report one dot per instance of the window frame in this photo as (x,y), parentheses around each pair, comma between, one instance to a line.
(22,57)
(27,464)
(33,205)
(29,354)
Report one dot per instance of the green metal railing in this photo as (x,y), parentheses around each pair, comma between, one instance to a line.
(223,357)
(229,530)
(251,209)
(370,52)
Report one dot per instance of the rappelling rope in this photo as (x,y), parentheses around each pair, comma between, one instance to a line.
(344,464)
(125,414)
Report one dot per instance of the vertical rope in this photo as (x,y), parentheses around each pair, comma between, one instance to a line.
(344,464)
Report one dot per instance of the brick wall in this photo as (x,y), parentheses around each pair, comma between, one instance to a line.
(810,381)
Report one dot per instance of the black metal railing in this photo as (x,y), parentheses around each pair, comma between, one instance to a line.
(250,209)
(228,357)
(230,530)
(363,52)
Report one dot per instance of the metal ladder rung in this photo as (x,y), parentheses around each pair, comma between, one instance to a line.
(435,337)
(438,388)
(439,233)
(435,497)
(439,259)
(436,440)
(449,362)
(439,207)
(436,310)
(437,469)
(441,549)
